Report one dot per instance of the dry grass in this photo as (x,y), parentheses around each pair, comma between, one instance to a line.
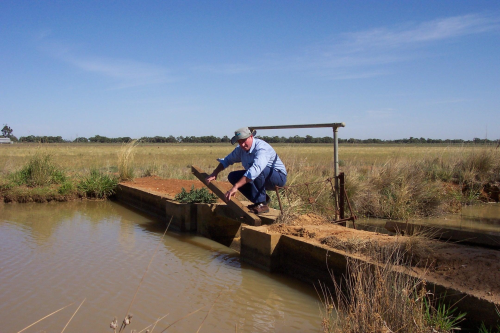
(383,297)
(126,161)
(391,181)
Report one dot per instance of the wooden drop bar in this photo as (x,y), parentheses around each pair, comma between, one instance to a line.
(234,204)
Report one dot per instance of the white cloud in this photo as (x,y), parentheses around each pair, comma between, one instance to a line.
(430,31)
(368,53)
(126,73)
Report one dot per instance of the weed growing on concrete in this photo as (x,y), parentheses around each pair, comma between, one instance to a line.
(201,195)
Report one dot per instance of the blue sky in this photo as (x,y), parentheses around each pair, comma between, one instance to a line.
(388,69)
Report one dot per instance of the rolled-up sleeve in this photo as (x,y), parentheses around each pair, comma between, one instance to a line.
(260,161)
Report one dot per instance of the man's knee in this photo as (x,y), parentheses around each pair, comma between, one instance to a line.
(234,176)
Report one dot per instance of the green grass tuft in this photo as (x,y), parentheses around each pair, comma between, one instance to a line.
(98,185)
(39,171)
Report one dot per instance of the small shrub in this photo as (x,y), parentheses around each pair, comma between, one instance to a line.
(39,171)
(196,196)
(98,185)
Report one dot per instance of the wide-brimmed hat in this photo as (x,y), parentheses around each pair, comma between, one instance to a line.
(242,133)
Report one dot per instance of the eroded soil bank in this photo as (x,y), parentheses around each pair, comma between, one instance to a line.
(473,270)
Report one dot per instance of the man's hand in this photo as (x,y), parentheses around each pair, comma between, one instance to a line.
(231,193)
(214,174)
(211,177)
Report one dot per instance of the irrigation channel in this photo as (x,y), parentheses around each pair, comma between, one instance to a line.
(480,218)
(55,254)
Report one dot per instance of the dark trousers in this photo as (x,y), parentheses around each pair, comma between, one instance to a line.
(256,191)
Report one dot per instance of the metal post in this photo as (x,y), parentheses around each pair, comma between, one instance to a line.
(342,197)
(336,167)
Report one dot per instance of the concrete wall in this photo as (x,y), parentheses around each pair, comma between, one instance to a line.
(273,252)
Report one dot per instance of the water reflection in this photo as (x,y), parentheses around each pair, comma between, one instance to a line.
(481,218)
(58,253)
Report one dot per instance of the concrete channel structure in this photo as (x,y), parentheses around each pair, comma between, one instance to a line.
(274,252)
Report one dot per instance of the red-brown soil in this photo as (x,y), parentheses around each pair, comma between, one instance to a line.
(470,269)
(169,187)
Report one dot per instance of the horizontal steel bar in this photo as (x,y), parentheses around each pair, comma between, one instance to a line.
(334,125)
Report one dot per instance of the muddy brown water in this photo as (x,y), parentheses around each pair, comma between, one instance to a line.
(55,254)
(481,218)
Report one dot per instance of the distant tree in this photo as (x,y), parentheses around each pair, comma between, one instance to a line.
(6,131)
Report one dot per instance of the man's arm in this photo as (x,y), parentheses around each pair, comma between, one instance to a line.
(234,189)
(214,174)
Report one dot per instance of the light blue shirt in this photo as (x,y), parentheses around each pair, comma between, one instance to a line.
(260,155)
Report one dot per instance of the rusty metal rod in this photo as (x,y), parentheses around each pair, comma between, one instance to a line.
(344,220)
(279,199)
(334,125)
(350,209)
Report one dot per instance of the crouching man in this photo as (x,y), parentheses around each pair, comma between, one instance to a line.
(263,170)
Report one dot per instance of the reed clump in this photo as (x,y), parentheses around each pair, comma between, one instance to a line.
(384,298)
(97,184)
(126,167)
(39,171)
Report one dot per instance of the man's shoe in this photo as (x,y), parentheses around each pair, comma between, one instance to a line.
(252,206)
(260,209)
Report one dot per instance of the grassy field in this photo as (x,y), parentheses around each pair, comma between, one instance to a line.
(392,181)
(174,160)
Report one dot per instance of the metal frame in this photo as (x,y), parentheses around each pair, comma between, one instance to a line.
(334,127)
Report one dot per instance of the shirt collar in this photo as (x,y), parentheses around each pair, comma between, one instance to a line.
(253,146)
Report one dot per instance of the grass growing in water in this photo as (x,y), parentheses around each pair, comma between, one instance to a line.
(98,184)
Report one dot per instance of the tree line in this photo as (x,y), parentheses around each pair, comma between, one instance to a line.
(269,139)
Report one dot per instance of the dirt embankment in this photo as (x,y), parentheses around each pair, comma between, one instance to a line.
(470,269)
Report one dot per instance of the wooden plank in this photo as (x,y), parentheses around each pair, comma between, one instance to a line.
(234,204)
